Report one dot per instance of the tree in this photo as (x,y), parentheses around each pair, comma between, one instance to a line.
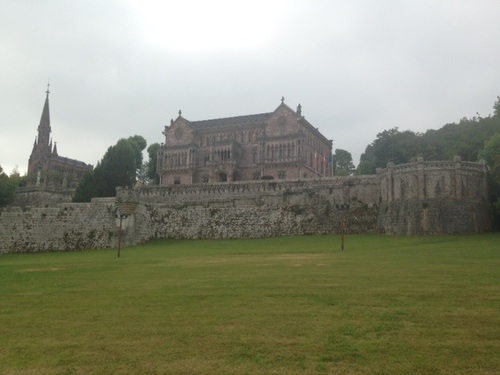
(496,107)
(118,167)
(152,162)
(8,186)
(85,189)
(146,175)
(491,154)
(342,163)
(465,139)
(491,151)
(139,144)
(142,174)
(390,146)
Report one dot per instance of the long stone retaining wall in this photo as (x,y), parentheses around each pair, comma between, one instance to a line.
(410,199)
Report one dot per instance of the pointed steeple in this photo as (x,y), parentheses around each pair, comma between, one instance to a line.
(54,150)
(44,127)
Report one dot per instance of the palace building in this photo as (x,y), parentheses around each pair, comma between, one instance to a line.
(279,145)
(45,166)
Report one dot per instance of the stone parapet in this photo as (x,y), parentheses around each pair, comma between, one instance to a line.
(433,179)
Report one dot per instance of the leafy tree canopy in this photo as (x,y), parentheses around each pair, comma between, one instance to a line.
(491,151)
(390,146)
(139,144)
(151,164)
(85,190)
(465,139)
(8,185)
(118,167)
(343,165)
(491,154)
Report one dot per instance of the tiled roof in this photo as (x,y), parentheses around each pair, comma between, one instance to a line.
(232,121)
(68,161)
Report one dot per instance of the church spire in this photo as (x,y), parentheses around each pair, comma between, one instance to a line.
(44,127)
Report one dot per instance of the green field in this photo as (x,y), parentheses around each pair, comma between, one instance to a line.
(292,305)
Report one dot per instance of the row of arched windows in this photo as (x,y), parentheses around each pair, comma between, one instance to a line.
(240,137)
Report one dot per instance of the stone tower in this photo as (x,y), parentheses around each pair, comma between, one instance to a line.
(42,147)
(45,166)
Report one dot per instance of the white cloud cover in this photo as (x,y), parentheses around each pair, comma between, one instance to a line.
(120,68)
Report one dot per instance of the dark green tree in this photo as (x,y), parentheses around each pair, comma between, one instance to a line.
(342,163)
(491,151)
(390,146)
(465,139)
(117,168)
(139,144)
(8,185)
(142,174)
(146,175)
(152,162)
(491,154)
(496,107)
(85,190)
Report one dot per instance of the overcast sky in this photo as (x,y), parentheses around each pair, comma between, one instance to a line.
(358,67)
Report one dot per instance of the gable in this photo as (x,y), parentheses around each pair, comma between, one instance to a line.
(179,133)
(284,121)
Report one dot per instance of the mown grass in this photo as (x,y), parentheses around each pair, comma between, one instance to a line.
(293,305)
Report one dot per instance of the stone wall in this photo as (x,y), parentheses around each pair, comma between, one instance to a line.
(258,209)
(41,196)
(410,199)
(68,226)
(434,216)
(336,190)
(434,197)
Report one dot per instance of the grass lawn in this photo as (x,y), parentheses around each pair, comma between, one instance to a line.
(291,305)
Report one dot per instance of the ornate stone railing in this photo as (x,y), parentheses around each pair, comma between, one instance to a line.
(44,189)
(433,179)
(435,165)
(255,186)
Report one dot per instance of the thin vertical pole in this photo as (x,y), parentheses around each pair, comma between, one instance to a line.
(343,230)
(120,236)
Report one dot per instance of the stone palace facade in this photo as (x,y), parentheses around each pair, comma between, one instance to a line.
(278,145)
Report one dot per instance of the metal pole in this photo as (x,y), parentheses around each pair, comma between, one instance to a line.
(343,230)
(120,236)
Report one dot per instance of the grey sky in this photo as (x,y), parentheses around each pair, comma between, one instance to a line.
(119,68)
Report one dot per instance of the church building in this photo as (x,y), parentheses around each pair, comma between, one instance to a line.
(45,166)
(280,145)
